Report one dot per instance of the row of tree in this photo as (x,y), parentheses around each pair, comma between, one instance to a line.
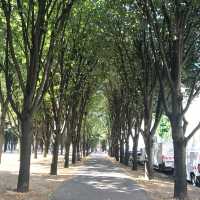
(54,56)
(48,72)
(155,54)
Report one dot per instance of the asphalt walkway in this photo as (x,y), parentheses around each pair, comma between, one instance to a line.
(99,179)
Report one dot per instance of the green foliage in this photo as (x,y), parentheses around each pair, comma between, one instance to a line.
(97,117)
(164,129)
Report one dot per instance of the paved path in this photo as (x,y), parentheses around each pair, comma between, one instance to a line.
(99,179)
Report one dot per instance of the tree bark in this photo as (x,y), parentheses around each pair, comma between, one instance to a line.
(180,187)
(78,152)
(74,153)
(1,145)
(54,164)
(149,158)
(46,147)
(36,146)
(84,146)
(180,184)
(126,158)
(121,151)
(4,108)
(25,152)
(116,151)
(87,149)
(61,144)
(5,148)
(46,139)
(41,146)
(134,153)
(67,149)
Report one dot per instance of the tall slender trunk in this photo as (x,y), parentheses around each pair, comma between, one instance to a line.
(87,149)
(47,142)
(180,185)
(74,152)
(116,149)
(25,152)
(121,151)
(36,147)
(78,152)
(54,164)
(2,136)
(84,146)
(112,148)
(67,150)
(46,147)
(5,148)
(61,148)
(68,141)
(61,144)
(4,108)
(1,145)
(134,153)
(149,158)
(180,173)
(41,146)
(126,159)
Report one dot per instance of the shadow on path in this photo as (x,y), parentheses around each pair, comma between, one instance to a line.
(99,179)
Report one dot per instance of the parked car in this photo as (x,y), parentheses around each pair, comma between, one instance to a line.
(193,166)
(163,156)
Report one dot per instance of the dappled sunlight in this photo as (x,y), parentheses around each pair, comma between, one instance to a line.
(56,180)
(99,179)
(111,185)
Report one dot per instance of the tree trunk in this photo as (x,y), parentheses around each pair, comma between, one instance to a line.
(78,152)
(149,158)
(61,144)
(74,153)
(67,149)
(180,187)
(2,135)
(36,147)
(61,149)
(5,144)
(25,153)
(112,152)
(87,149)
(54,164)
(116,151)
(46,148)
(180,184)
(121,151)
(2,126)
(41,146)
(134,153)
(1,145)
(126,159)
(84,146)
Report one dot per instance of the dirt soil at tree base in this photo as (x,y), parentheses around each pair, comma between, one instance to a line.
(42,184)
(159,188)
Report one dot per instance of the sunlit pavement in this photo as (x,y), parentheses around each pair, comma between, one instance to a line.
(99,179)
